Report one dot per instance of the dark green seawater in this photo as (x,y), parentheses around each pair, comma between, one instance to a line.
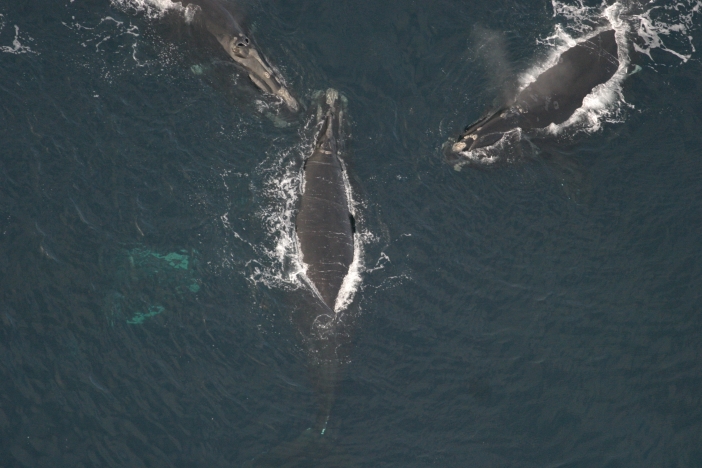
(542,311)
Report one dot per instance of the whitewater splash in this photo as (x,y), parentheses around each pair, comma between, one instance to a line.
(649,23)
(672,20)
(645,26)
(152,9)
(17,47)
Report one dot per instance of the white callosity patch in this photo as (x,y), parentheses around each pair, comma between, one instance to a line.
(492,154)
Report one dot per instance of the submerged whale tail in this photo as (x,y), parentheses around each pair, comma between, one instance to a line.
(290,454)
(316,446)
(309,449)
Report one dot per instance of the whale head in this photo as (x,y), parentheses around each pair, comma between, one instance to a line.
(221,23)
(263,76)
(331,119)
(485,132)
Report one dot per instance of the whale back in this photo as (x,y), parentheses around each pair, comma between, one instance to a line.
(324,223)
(559,91)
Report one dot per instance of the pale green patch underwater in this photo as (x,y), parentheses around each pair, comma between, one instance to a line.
(139,318)
(149,283)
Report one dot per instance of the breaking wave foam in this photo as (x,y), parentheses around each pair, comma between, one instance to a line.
(672,20)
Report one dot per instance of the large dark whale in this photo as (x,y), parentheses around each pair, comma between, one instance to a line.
(553,98)
(325,234)
(324,225)
(325,230)
(237,43)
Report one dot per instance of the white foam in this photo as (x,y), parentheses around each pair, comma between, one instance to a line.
(673,20)
(150,8)
(190,12)
(281,266)
(353,277)
(17,47)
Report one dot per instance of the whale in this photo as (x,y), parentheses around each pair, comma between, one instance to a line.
(239,45)
(324,225)
(552,98)
(325,230)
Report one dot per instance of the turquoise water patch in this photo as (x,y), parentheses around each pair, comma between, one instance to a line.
(140,317)
(145,258)
(148,283)
(175,260)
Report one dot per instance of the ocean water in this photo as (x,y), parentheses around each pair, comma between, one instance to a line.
(539,306)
